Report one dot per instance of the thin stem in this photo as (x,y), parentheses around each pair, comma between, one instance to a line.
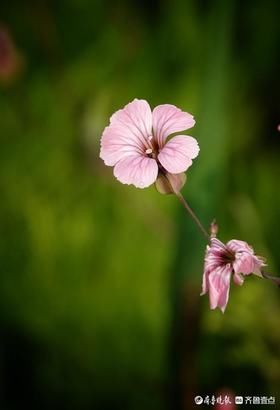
(274,279)
(192,214)
(187,207)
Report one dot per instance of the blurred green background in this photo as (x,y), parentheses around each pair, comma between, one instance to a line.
(100,282)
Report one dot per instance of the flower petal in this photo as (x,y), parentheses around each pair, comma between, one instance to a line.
(128,132)
(238,246)
(259,263)
(176,156)
(117,142)
(205,284)
(214,256)
(136,116)
(137,170)
(168,119)
(246,261)
(238,279)
(219,284)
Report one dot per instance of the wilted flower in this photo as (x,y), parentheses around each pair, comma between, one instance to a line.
(135,144)
(221,261)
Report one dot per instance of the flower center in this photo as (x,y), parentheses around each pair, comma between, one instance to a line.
(152,149)
(228,257)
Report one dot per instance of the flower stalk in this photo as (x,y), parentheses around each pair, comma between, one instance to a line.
(274,279)
(192,214)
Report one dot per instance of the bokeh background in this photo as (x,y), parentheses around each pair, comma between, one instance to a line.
(100,282)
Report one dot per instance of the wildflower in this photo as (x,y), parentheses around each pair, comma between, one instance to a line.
(135,144)
(221,261)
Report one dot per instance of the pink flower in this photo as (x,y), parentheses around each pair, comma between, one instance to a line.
(135,143)
(221,261)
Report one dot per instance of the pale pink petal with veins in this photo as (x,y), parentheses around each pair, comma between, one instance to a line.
(168,119)
(137,170)
(219,284)
(135,116)
(117,143)
(128,132)
(238,279)
(246,262)
(235,246)
(177,154)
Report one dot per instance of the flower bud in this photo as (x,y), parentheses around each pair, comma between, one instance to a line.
(170,183)
(214,228)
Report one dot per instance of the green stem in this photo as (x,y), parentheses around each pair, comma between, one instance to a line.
(192,214)
(274,279)
(187,207)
